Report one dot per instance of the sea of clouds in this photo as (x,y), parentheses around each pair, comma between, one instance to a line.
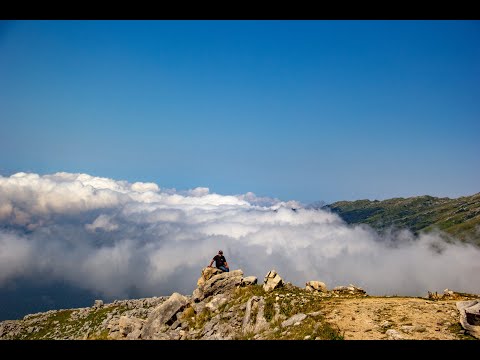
(114,237)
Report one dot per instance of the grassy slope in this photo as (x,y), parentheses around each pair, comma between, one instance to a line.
(459,217)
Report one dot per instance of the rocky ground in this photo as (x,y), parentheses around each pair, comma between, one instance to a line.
(231,306)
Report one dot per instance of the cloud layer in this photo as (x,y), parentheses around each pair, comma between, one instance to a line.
(118,238)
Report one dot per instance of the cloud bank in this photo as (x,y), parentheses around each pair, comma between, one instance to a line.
(118,238)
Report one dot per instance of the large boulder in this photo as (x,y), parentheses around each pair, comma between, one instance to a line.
(272,281)
(131,328)
(218,284)
(470,316)
(315,286)
(164,315)
(214,281)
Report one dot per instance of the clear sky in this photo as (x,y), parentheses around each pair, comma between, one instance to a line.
(304,110)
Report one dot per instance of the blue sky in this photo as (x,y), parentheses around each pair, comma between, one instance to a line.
(304,110)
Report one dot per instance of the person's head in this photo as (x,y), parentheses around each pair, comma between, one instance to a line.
(220,252)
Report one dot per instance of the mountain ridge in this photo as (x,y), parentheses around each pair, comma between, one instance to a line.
(458,217)
(231,306)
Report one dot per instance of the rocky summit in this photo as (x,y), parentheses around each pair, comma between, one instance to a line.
(231,306)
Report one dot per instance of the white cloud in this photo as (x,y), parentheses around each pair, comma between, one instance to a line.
(112,236)
(103,222)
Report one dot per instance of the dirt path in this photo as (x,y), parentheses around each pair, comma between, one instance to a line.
(388,318)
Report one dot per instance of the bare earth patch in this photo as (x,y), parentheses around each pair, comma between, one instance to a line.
(382,318)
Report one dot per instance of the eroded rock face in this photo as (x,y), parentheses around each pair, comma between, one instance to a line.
(272,281)
(164,315)
(315,286)
(218,284)
(257,323)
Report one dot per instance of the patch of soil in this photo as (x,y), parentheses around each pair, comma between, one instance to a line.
(370,318)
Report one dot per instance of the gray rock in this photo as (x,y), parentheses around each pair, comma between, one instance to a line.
(468,312)
(419,328)
(98,304)
(261,323)
(256,304)
(393,335)
(407,328)
(350,289)
(473,314)
(315,286)
(221,283)
(177,323)
(128,325)
(164,314)
(293,319)
(272,281)
(249,280)
(386,324)
(198,307)
(207,273)
(247,323)
(197,294)
(216,302)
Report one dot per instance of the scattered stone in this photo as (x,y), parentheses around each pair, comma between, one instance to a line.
(348,290)
(393,335)
(293,319)
(386,324)
(315,286)
(249,280)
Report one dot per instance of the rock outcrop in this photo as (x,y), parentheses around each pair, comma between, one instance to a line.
(229,305)
(449,295)
(164,316)
(217,283)
(272,281)
(470,316)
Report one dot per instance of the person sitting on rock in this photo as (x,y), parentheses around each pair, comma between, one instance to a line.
(220,262)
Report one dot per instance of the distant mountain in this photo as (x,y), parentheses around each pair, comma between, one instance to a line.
(459,217)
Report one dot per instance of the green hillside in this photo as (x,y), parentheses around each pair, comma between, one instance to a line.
(459,217)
